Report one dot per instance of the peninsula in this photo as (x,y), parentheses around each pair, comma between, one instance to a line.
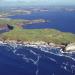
(38,37)
(21,22)
(47,35)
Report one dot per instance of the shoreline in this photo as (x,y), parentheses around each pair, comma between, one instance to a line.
(33,44)
(40,44)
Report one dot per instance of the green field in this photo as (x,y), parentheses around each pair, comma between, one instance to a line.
(20,21)
(47,35)
(11,21)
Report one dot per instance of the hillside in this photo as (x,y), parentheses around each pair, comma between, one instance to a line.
(47,35)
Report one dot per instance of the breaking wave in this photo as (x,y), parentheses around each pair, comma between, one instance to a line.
(28,60)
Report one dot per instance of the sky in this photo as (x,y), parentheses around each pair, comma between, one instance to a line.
(37,2)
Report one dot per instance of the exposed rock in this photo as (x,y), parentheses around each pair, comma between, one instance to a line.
(10,27)
(70,47)
(3,27)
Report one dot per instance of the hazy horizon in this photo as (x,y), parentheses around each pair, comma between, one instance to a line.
(37,3)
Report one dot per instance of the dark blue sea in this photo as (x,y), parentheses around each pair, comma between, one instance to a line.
(23,60)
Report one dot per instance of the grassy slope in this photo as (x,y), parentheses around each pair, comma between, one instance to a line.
(10,21)
(47,35)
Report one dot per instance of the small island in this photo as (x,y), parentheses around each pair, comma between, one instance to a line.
(20,11)
(20,22)
(70,9)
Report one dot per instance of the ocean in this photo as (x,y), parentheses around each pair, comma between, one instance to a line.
(23,60)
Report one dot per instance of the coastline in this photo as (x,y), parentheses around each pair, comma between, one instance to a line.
(49,38)
(32,44)
(40,44)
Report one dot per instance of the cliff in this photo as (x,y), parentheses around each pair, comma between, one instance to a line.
(70,47)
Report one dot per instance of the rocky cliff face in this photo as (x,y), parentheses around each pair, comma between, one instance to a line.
(10,27)
(70,47)
(6,27)
(2,26)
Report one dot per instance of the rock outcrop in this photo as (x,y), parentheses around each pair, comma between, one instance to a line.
(10,27)
(70,47)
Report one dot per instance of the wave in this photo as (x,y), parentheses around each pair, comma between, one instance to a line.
(42,58)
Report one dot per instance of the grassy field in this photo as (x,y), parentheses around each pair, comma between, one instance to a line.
(11,21)
(47,35)
(20,21)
